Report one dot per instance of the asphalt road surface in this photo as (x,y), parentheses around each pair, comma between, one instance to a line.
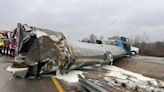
(10,84)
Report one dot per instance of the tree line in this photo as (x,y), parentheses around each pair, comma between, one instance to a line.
(142,41)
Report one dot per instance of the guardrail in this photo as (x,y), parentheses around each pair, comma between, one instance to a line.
(92,87)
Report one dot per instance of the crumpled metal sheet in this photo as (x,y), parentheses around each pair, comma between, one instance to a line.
(41,49)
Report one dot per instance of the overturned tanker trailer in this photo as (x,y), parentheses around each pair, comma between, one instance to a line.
(43,52)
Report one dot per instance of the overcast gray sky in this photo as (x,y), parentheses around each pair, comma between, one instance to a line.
(79,18)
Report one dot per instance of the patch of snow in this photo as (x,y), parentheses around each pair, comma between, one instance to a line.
(92,67)
(13,70)
(119,72)
(71,77)
(132,80)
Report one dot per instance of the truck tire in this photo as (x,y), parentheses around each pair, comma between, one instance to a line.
(12,53)
(133,53)
(3,50)
(9,52)
(6,51)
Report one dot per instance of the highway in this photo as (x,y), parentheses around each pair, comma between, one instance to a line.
(10,84)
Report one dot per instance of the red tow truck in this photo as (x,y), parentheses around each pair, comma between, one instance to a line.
(7,41)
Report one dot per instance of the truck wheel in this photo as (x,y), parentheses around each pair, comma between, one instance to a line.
(9,52)
(133,53)
(2,50)
(6,51)
(32,72)
(13,53)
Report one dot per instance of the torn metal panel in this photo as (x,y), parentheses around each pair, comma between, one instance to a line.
(41,49)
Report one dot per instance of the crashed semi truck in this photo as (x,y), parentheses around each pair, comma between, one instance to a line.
(43,52)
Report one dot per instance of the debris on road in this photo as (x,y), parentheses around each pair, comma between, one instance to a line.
(120,77)
(116,79)
(21,72)
(71,77)
(92,87)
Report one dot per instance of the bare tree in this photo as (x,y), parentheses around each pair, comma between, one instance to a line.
(101,37)
(92,38)
(131,40)
(140,40)
(85,40)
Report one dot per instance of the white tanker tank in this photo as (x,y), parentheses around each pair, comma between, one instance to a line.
(36,47)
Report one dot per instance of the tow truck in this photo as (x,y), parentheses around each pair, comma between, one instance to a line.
(7,45)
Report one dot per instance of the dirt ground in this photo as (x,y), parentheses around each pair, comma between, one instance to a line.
(148,66)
